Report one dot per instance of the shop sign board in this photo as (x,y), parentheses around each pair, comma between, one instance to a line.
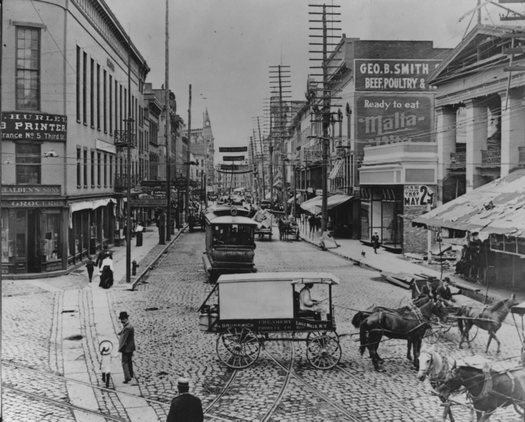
(20,126)
(399,75)
(34,204)
(416,195)
(26,190)
(148,203)
(390,118)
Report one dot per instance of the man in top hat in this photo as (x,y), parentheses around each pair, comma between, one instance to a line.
(185,407)
(126,346)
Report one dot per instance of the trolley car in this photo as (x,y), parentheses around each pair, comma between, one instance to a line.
(245,309)
(230,243)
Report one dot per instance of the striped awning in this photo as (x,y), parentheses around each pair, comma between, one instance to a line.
(314,205)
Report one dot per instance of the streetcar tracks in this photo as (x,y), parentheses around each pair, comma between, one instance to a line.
(223,392)
(286,382)
(352,416)
(64,404)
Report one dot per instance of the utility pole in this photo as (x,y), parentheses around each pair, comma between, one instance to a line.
(187,196)
(326,13)
(128,171)
(262,160)
(167,128)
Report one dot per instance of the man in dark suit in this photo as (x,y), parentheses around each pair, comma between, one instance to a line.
(126,346)
(185,407)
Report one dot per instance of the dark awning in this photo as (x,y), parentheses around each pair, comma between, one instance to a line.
(497,207)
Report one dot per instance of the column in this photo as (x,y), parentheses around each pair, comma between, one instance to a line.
(512,129)
(446,142)
(476,140)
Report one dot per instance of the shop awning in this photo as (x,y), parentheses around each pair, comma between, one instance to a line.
(497,207)
(335,169)
(314,205)
(88,205)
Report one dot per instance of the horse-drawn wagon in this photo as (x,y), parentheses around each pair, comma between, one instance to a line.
(246,310)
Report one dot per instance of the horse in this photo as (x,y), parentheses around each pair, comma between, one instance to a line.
(436,367)
(360,316)
(488,319)
(411,326)
(488,389)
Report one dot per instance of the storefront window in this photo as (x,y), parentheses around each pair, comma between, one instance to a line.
(20,230)
(50,237)
(7,246)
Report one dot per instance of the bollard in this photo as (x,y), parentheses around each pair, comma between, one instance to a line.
(134,266)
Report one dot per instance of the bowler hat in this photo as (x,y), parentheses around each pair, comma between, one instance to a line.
(183,384)
(123,315)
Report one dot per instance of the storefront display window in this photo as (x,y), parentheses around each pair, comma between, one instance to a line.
(7,245)
(50,237)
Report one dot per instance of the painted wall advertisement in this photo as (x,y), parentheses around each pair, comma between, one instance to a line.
(33,126)
(416,195)
(393,75)
(390,118)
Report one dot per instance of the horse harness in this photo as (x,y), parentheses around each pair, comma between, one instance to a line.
(488,385)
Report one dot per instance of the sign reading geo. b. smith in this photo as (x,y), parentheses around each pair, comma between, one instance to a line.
(25,126)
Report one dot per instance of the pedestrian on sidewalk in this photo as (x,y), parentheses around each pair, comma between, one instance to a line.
(101,256)
(375,241)
(106,276)
(139,229)
(106,360)
(126,346)
(185,407)
(90,266)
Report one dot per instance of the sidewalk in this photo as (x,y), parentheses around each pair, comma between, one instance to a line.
(385,261)
(102,324)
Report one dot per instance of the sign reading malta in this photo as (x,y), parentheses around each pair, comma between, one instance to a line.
(393,75)
(33,126)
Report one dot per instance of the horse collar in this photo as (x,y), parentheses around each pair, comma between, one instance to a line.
(487,385)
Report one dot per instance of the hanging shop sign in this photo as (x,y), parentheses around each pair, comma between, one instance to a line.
(18,126)
(416,195)
(393,75)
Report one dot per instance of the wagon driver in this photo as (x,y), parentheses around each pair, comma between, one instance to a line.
(307,303)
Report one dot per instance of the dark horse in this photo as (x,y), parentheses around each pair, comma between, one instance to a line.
(488,389)
(360,316)
(488,318)
(410,325)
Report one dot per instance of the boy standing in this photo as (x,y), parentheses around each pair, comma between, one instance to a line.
(90,265)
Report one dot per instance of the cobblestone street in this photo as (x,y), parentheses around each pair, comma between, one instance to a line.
(280,386)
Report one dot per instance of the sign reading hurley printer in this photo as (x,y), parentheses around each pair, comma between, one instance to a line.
(20,126)
(393,75)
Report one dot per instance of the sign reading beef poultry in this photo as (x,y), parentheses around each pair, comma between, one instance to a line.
(393,75)
(19,126)
(387,119)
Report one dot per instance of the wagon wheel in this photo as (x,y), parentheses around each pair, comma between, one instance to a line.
(323,350)
(434,334)
(238,348)
(472,334)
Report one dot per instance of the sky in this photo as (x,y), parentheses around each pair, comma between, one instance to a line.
(224,48)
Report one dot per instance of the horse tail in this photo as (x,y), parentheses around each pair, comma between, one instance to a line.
(358,319)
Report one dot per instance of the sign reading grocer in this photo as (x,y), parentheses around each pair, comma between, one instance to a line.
(418,195)
(24,126)
(393,75)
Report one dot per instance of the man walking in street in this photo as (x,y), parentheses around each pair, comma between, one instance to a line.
(126,346)
(90,266)
(375,241)
(185,407)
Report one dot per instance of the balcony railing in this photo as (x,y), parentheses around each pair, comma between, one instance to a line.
(122,139)
(458,160)
(490,158)
(121,182)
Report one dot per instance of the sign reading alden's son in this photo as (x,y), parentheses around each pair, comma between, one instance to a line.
(23,126)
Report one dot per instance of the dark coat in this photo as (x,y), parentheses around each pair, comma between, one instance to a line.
(126,343)
(185,408)
(106,278)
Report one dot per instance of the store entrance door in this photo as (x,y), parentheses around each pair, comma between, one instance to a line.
(33,244)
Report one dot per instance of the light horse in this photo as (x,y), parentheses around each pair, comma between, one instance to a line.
(411,326)
(487,389)
(488,319)
(436,367)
